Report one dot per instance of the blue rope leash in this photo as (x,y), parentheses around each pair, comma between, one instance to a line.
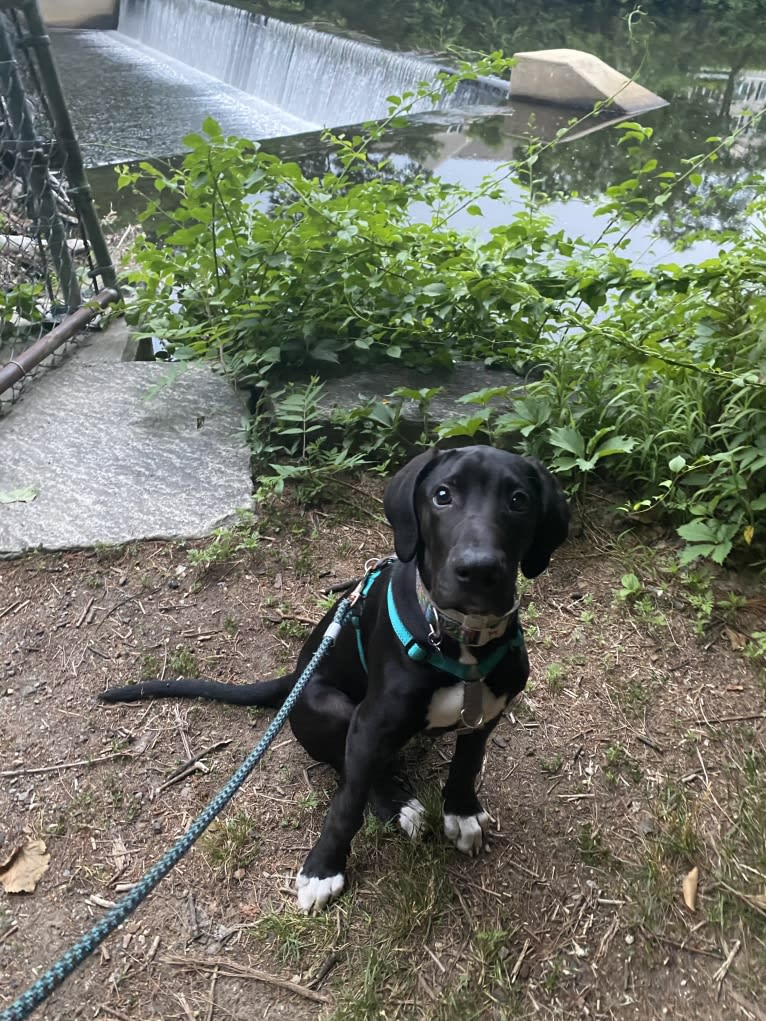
(63,968)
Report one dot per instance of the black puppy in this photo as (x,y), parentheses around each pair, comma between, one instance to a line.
(435,645)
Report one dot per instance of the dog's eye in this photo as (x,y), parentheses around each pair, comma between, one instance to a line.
(442,497)
(519,501)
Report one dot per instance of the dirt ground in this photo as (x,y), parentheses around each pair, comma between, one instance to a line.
(636,755)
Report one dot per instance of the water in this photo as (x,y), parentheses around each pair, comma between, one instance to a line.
(132,100)
(128,105)
(320,78)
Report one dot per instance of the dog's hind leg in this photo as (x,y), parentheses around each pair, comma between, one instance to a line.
(320,721)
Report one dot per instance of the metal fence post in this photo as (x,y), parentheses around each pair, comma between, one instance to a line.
(34,170)
(79,189)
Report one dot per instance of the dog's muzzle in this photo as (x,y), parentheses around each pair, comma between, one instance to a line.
(466,628)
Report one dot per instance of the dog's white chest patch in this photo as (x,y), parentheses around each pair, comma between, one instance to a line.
(446,705)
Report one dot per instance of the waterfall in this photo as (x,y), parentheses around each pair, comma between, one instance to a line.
(318,77)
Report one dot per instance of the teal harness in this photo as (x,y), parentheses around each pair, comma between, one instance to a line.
(420,652)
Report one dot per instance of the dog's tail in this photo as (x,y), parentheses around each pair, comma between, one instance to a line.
(270,694)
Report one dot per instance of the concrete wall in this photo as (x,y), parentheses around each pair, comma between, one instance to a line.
(80,13)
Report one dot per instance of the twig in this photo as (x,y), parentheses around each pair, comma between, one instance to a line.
(84,613)
(649,744)
(746,898)
(70,765)
(325,968)
(113,1012)
(8,932)
(185,1006)
(357,489)
(722,972)
(194,759)
(730,719)
(194,928)
(519,961)
(182,726)
(331,590)
(234,970)
(211,996)
(15,607)
(747,1005)
(679,946)
(179,777)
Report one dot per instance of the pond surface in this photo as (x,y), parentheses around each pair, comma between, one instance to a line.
(705,57)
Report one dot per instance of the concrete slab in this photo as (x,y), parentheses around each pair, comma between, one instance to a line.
(576,79)
(109,464)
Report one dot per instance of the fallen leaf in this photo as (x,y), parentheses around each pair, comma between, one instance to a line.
(22,872)
(18,495)
(691,879)
(7,856)
(736,638)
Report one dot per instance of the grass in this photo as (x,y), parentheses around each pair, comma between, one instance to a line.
(741,865)
(403,896)
(230,844)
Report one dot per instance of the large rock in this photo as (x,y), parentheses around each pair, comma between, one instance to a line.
(348,392)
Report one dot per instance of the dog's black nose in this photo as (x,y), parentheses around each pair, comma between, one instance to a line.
(479,567)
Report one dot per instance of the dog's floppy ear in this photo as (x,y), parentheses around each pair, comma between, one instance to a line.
(553,522)
(399,503)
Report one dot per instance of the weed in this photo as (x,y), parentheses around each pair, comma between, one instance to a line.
(593,850)
(183,663)
(756,646)
(150,667)
(128,804)
(531,613)
(236,541)
(633,697)
(631,588)
(293,629)
(620,763)
(555,675)
(552,765)
(230,844)
(742,854)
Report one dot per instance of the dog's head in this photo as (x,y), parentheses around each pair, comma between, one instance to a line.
(472,517)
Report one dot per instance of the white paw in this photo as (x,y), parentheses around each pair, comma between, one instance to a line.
(466,832)
(411,817)
(314,893)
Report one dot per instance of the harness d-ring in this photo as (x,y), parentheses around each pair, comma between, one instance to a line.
(474,725)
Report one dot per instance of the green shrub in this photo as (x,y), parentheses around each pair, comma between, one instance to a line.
(656,375)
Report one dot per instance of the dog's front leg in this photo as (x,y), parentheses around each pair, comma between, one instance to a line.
(465,821)
(371,743)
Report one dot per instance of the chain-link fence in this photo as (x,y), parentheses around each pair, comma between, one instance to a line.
(53,256)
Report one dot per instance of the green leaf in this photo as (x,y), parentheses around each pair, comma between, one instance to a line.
(614,445)
(697,531)
(26,495)
(567,439)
